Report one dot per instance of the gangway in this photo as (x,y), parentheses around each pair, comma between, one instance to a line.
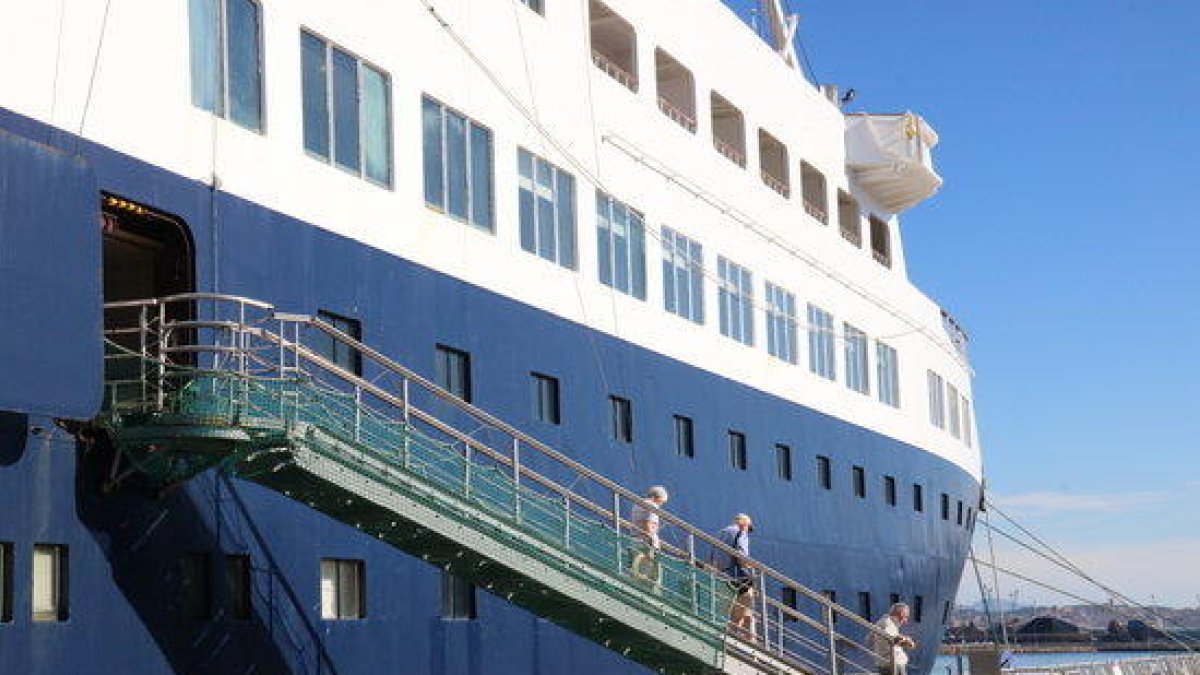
(201,381)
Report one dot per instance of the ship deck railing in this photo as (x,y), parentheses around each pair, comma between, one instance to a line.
(256,373)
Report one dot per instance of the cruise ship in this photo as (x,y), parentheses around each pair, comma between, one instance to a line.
(629,240)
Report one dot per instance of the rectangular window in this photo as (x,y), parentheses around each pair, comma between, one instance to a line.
(952,412)
(239,582)
(918,498)
(857,373)
(737,450)
(342,590)
(736,301)
(860,482)
(937,401)
(781,323)
(458,598)
(945,506)
(683,276)
(970,519)
(788,595)
(458,164)
(685,439)
(546,209)
(454,371)
(196,582)
(887,370)
(824,472)
(864,605)
(918,606)
(783,461)
(959,517)
(622,419)
(347,110)
(967,423)
(893,599)
(946,612)
(889,490)
(6,582)
(339,352)
(50,587)
(820,343)
(621,246)
(546,406)
(226,59)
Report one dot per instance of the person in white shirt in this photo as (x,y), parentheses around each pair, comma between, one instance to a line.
(646,525)
(890,652)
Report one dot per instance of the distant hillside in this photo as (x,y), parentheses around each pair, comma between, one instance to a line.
(1084,616)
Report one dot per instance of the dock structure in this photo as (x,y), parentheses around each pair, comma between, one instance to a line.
(203,381)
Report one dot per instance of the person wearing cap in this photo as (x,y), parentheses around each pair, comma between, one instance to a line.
(737,567)
(646,525)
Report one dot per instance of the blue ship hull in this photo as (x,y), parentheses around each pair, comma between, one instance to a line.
(126,606)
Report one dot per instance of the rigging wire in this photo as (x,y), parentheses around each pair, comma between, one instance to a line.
(996,580)
(87,101)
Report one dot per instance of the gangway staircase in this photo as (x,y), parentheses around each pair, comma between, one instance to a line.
(202,381)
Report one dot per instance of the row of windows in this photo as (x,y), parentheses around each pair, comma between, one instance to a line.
(949,409)
(858,477)
(48,583)
(347,123)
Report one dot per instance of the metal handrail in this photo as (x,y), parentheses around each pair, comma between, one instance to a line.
(291,348)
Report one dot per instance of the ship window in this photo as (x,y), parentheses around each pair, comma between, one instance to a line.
(226,59)
(967,424)
(621,245)
(970,519)
(683,276)
(945,506)
(857,370)
(676,90)
(788,595)
(736,301)
(535,5)
(893,599)
(334,350)
(546,404)
(783,461)
(959,517)
(881,244)
(781,323)
(824,472)
(458,598)
(685,437)
(952,412)
(729,130)
(737,450)
(918,605)
(946,612)
(937,400)
(614,45)
(622,419)
(773,163)
(849,219)
(347,110)
(454,371)
(860,482)
(458,164)
(887,369)
(821,358)
(238,585)
(918,498)
(342,589)
(196,581)
(864,605)
(546,204)
(6,582)
(889,490)
(816,199)
(50,588)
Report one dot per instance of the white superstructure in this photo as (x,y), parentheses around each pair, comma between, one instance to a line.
(637,120)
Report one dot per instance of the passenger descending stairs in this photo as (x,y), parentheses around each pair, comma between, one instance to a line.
(203,381)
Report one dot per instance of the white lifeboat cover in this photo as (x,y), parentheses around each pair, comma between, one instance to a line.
(889,156)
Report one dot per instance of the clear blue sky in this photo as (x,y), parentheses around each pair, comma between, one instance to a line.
(1066,241)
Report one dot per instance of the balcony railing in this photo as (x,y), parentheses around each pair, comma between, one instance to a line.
(882,257)
(852,233)
(676,113)
(776,184)
(733,154)
(615,71)
(816,212)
